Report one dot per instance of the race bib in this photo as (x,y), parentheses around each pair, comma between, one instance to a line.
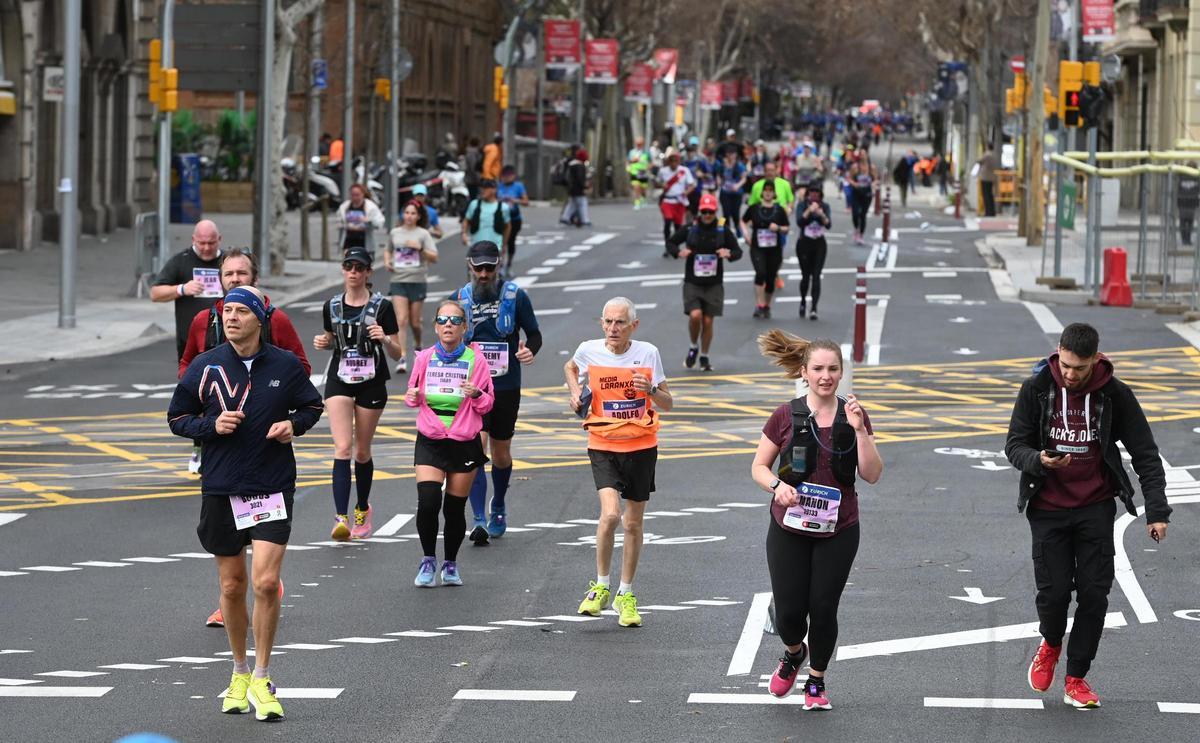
(817,510)
(704,265)
(210,279)
(251,510)
(408,258)
(624,409)
(446,379)
(814,230)
(767,238)
(497,357)
(355,368)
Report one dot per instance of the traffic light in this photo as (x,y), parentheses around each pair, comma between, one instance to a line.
(383,88)
(170,90)
(1020,90)
(1091,105)
(497,82)
(1070,81)
(155,71)
(503,96)
(1091,73)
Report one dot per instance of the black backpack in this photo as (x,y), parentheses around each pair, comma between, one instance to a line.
(214,335)
(497,217)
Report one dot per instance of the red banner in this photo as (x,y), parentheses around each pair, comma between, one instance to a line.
(639,86)
(1097,20)
(602,62)
(710,95)
(562,43)
(746,90)
(666,61)
(729,92)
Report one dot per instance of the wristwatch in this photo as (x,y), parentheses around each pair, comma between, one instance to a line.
(654,389)
(775,484)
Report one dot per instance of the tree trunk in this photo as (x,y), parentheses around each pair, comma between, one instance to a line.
(1037,120)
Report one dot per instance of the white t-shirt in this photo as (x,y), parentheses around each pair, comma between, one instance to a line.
(677,193)
(640,354)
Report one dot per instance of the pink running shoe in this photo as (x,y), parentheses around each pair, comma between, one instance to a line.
(784,677)
(814,696)
(362,524)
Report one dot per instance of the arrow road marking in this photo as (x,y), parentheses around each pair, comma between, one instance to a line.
(990,466)
(8,518)
(975,596)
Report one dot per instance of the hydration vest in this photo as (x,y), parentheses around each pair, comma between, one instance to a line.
(798,459)
(341,326)
(694,232)
(214,334)
(506,316)
(497,217)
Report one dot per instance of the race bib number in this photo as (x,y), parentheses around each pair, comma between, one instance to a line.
(814,230)
(251,510)
(408,258)
(355,368)
(817,510)
(497,357)
(446,379)
(210,279)
(767,238)
(623,409)
(705,265)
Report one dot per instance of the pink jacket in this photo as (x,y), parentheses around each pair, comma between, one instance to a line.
(468,421)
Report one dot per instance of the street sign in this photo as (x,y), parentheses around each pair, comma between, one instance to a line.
(1066,206)
(1110,68)
(602,61)
(1017,63)
(710,95)
(639,86)
(53,84)
(406,64)
(320,74)
(217,46)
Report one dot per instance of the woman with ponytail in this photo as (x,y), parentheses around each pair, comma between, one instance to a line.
(822,443)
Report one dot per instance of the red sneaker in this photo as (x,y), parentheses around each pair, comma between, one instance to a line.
(1041,670)
(784,677)
(216,619)
(1079,694)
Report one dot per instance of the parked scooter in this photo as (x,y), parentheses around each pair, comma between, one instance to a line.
(454,193)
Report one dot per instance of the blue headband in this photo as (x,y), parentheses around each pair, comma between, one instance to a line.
(241,295)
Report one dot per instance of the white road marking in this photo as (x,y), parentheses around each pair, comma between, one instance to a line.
(9,573)
(548,525)
(554,262)
(667,513)
(132,666)
(1044,316)
(583,287)
(306,646)
(795,699)
(752,634)
(570,618)
(8,518)
(1125,576)
(193,660)
(10,651)
(744,276)
(705,509)
(364,640)
(19,682)
(600,237)
(525,281)
(193,555)
(469,628)
(101,564)
(416,633)
(515,695)
(519,623)
(661,282)
(54,691)
(393,525)
(975,596)
(964,351)
(664,607)
(711,602)
(730,301)
(1186,331)
(939,274)
(151,560)
(1189,708)
(310,692)
(983,703)
(50,568)
(742,505)
(555,311)
(73,674)
(875,332)
(300,547)
(958,639)
(571,253)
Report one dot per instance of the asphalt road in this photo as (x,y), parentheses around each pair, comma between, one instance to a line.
(103,589)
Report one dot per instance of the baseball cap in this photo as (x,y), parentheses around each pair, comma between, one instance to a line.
(483,252)
(693,140)
(358,255)
(730,133)
(487,183)
(420,190)
(708,202)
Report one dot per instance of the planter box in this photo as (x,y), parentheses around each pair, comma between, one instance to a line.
(223,197)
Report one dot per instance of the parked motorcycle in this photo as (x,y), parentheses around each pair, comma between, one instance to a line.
(454,193)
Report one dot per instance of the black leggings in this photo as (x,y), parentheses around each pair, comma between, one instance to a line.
(807,578)
(766,266)
(429,502)
(510,245)
(811,254)
(860,204)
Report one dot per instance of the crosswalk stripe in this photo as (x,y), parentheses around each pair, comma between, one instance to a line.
(515,695)
(570,618)
(101,564)
(365,640)
(133,666)
(417,633)
(195,660)
(73,674)
(151,560)
(19,682)
(50,568)
(469,628)
(306,646)
(700,698)
(519,623)
(54,691)
(983,703)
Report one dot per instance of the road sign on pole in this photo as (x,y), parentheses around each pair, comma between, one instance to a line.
(320,74)
(1066,205)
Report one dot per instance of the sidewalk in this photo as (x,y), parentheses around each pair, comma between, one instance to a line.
(109,317)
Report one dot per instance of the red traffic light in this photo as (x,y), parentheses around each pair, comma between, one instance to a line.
(1073,98)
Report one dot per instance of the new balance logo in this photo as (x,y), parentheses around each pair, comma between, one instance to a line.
(273,383)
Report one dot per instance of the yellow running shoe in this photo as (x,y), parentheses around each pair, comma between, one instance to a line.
(341,529)
(626,606)
(262,695)
(597,599)
(235,702)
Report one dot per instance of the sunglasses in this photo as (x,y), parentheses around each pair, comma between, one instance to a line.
(707,211)
(454,320)
(484,267)
(354,267)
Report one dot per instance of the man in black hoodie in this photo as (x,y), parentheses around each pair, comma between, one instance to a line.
(1063,438)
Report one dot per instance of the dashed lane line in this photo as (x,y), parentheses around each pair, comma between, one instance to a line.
(515,695)
(983,703)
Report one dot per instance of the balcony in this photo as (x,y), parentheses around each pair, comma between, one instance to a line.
(1148,12)
(1174,12)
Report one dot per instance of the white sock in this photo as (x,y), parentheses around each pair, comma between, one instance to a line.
(695,346)
(241,666)
(602,580)
(625,587)
(261,672)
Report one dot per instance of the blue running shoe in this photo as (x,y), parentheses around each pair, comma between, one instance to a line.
(426,573)
(497,525)
(450,576)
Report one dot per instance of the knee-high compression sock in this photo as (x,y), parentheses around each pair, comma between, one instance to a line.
(429,502)
(364,473)
(341,486)
(500,479)
(479,495)
(454,512)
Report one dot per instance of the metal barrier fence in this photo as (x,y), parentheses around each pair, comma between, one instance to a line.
(145,240)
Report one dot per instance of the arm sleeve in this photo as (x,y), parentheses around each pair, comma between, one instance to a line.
(195,340)
(283,335)
(185,414)
(527,321)
(1023,445)
(1134,432)
(307,400)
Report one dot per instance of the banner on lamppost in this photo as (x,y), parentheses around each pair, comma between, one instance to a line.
(710,95)
(562,43)
(746,90)
(729,92)
(666,62)
(602,60)
(1098,20)
(639,86)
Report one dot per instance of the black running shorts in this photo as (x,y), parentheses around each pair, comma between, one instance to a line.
(219,536)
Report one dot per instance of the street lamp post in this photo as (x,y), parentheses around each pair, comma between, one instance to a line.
(68,227)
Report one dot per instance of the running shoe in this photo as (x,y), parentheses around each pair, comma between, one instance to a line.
(497,524)
(813,315)
(235,702)
(1079,694)
(261,694)
(450,576)
(766,312)
(362,524)
(704,364)
(402,366)
(194,462)
(597,599)
(341,529)
(1041,670)
(803,309)
(626,606)
(690,361)
(426,573)
(758,311)
(784,677)
(479,533)
(815,696)
(216,619)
